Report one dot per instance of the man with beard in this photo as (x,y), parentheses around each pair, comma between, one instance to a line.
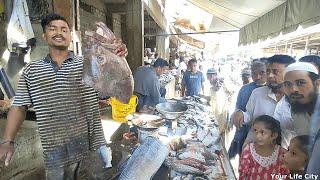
(259,76)
(290,106)
(314,159)
(263,100)
(301,89)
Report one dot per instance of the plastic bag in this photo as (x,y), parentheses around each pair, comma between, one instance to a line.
(103,70)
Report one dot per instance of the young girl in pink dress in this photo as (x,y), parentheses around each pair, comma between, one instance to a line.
(263,159)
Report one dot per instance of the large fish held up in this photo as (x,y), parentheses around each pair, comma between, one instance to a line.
(103,70)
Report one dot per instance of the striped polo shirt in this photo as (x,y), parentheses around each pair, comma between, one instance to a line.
(67,111)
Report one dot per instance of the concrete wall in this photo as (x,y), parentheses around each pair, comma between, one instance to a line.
(116,22)
(27,162)
(88,19)
(124,29)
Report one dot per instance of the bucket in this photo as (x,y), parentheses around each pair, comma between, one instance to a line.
(120,110)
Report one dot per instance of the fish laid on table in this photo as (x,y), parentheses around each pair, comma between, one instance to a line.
(195,163)
(201,133)
(195,155)
(103,70)
(188,166)
(211,138)
(199,159)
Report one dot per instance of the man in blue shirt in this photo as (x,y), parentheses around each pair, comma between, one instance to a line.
(259,77)
(192,81)
(246,76)
(147,84)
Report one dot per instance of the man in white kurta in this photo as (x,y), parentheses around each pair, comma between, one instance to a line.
(263,100)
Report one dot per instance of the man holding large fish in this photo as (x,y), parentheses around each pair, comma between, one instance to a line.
(67,111)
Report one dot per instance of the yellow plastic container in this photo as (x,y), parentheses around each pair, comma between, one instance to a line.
(120,110)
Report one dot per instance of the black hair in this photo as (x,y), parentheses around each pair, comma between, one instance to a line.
(314,77)
(191,61)
(311,59)
(272,124)
(304,143)
(281,59)
(160,63)
(264,60)
(52,17)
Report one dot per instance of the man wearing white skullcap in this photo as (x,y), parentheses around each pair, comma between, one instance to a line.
(302,66)
(301,89)
(301,85)
(295,109)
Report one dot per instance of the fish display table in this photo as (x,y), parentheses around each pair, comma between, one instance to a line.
(194,142)
(197,151)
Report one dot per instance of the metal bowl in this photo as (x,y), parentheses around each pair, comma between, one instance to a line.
(171,110)
(146,122)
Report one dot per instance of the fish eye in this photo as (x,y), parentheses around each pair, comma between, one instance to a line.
(100,59)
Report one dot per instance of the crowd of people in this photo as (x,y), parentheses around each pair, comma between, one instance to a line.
(273,119)
(275,135)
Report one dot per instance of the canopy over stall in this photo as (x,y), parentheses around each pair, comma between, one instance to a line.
(285,18)
(259,20)
(235,14)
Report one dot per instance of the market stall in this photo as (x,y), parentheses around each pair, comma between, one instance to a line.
(189,131)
